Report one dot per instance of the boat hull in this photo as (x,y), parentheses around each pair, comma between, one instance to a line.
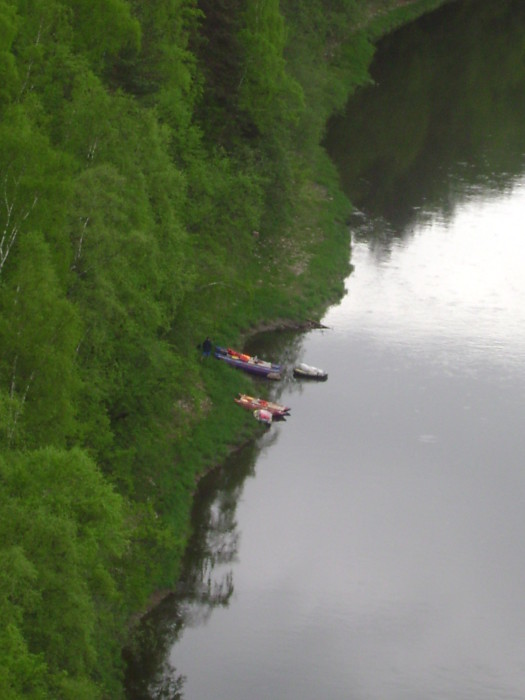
(249,364)
(251,403)
(307,372)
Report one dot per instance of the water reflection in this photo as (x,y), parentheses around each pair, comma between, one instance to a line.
(382,539)
(289,347)
(206,582)
(456,284)
(451,89)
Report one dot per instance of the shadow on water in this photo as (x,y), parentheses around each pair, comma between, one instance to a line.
(453,87)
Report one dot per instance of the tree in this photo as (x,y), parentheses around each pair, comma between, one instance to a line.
(102,28)
(62,532)
(28,167)
(39,333)
(8,70)
(267,92)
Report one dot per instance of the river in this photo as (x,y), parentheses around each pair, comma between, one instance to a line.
(370,547)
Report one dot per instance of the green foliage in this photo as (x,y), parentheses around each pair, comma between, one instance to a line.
(102,28)
(328,57)
(23,674)
(220,63)
(268,94)
(39,332)
(130,275)
(8,71)
(34,188)
(391,15)
(62,531)
(163,63)
(156,186)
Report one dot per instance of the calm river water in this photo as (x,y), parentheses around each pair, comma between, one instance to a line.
(371,547)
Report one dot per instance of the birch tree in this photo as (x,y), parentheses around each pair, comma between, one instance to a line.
(33,185)
(38,333)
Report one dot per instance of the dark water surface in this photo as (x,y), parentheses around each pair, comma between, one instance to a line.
(371,547)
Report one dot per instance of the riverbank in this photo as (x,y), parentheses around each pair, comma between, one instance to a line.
(302,271)
(163,182)
(339,511)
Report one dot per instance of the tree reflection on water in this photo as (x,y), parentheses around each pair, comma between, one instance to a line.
(206,580)
(205,584)
(456,116)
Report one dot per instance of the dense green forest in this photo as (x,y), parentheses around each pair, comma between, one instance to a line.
(160,180)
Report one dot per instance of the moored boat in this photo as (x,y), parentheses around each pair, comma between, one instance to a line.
(304,371)
(252,403)
(247,363)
